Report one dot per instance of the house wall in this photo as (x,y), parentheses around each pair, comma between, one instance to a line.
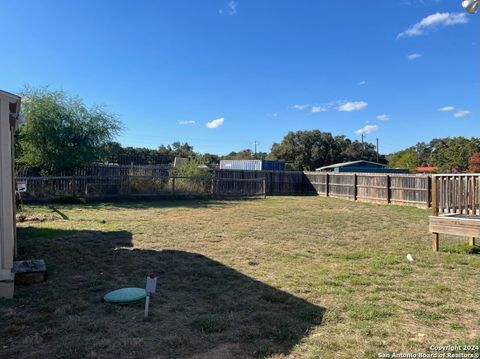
(7,223)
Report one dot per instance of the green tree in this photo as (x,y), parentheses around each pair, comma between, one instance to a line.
(61,131)
(308,150)
(179,149)
(404,159)
(451,154)
(110,152)
(245,154)
(448,154)
(208,159)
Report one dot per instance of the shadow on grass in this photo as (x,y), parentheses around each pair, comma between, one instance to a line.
(180,202)
(460,248)
(203,309)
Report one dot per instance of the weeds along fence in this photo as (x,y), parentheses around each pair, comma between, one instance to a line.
(103,182)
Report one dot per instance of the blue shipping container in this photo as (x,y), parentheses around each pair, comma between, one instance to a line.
(273,165)
(252,165)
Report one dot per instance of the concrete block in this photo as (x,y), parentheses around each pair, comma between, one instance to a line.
(6,289)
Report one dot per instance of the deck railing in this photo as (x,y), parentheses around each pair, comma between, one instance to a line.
(456,194)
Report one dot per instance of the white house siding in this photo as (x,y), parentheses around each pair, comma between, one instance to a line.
(7,222)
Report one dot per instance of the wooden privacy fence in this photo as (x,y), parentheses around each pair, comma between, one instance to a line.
(135,181)
(456,194)
(404,189)
(371,187)
(276,182)
(238,187)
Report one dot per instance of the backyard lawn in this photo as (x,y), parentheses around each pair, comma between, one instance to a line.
(299,277)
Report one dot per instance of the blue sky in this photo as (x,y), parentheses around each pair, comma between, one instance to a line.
(222,74)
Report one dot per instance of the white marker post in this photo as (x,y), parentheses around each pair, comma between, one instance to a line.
(150,289)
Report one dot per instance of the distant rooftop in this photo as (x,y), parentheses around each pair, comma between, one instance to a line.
(426,169)
(351,163)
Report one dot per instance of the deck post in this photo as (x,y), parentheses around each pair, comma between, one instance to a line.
(435,242)
(471,241)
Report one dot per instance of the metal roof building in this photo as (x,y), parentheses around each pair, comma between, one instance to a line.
(360,166)
(252,165)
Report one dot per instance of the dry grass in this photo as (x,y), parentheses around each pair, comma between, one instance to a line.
(304,277)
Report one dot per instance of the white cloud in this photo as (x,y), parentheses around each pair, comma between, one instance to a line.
(317,109)
(352,106)
(461,113)
(300,107)
(215,123)
(383,117)
(446,108)
(365,130)
(434,21)
(361,83)
(232,7)
(412,57)
(186,122)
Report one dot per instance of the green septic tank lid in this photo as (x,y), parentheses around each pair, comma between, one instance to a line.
(125,295)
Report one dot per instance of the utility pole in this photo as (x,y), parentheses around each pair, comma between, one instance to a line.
(255,153)
(363,147)
(377,152)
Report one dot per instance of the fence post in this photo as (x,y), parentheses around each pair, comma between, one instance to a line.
(434,196)
(173,184)
(270,184)
(264,187)
(74,186)
(326,184)
(354,186)
(388,189)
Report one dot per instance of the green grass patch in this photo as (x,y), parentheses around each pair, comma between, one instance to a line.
(300,277)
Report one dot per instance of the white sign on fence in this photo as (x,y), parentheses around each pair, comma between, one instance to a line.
(21,185)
